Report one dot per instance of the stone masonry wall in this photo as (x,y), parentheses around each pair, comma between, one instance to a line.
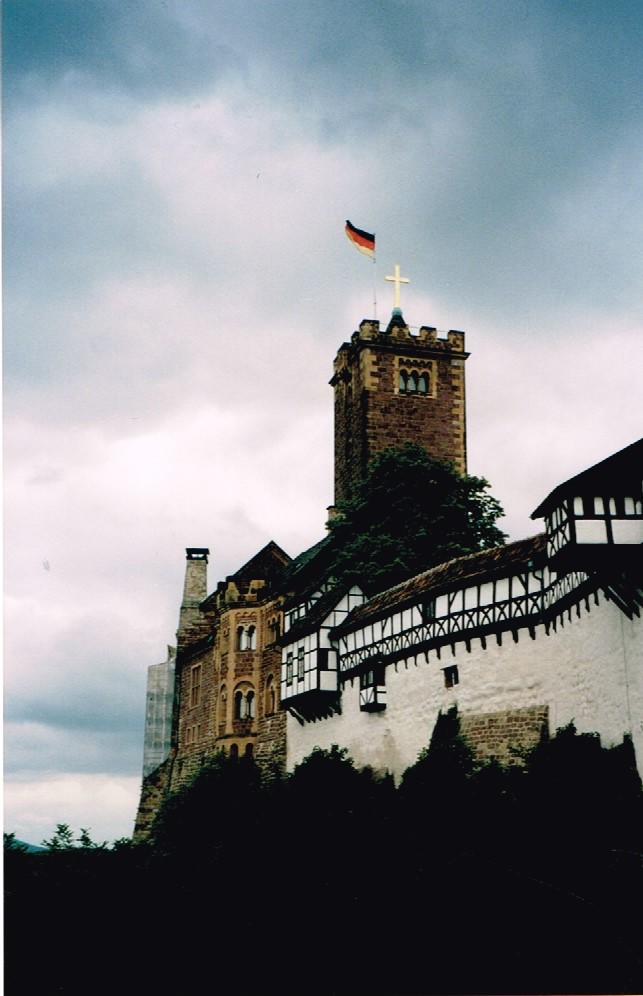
(371,414)
(153,791)
(504,735)
(271,734)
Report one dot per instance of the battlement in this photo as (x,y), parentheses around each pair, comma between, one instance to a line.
(370,331)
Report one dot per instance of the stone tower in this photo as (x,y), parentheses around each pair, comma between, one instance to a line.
(394,387)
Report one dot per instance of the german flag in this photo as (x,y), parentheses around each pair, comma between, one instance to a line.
(363,241)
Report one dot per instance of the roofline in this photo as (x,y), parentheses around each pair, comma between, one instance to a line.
(553,497)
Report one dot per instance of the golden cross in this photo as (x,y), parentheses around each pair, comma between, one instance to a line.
(397,280)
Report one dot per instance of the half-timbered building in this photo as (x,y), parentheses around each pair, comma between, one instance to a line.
(539,633)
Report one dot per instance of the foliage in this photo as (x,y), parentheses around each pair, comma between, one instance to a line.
(411,513)
(64,840)
(10,843)
(530,871)
(220,804)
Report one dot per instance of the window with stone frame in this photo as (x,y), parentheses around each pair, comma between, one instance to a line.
(195,685)
(413,379)
(244,703)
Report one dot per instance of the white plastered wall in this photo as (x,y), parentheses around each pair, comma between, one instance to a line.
(589,670)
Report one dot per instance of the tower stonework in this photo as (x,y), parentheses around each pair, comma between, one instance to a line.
(394,387)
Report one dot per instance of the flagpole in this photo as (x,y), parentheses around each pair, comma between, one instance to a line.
(375,287)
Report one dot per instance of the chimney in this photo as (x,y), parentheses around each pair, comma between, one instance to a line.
(195,587)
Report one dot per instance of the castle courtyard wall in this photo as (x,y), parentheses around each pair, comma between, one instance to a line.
(588,670)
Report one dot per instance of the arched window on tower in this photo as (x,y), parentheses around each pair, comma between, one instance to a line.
(223,705)
(244,701)
(423,383)
(402,381)
(252,637)
(412,383)
(241,638)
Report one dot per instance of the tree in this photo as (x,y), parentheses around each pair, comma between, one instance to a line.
(411,513)
(63,840)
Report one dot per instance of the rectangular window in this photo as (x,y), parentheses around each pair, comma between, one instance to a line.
(300,664)
(451,676)
(289,669)
(428,610)
(195,685)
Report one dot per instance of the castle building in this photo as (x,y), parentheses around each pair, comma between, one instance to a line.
(226,687)
(530,636)
(280,659)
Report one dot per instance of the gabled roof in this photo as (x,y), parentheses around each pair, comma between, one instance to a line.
(315,617)
(498,561)
(307,571)
(620,473)
(265,564)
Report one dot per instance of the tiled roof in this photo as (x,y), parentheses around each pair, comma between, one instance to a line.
(485,565)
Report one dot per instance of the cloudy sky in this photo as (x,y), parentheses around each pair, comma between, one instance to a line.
(177,175)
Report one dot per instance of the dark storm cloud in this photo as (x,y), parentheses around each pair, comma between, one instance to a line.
(139,49)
